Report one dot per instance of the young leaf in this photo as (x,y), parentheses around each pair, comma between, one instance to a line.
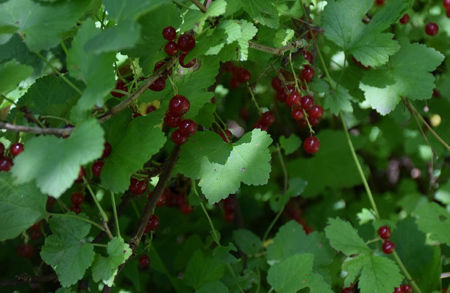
(262,11)
(12,73)
(343,237)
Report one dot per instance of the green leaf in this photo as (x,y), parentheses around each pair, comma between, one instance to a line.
(262,11)
(343,237)
(336,99)
(248,31)
(408,74)
(142,139)
(216,287)
(67,250)
(20,207)
(247,241)
(95,70)
(202,270)
(12,73)
(296,188)
(290,144)
(131,9)
(435,220)
(40,25)
(105,268)
(55,162)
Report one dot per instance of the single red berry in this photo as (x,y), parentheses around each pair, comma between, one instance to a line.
(152,224)
(315,112)
(171,48)
(158,85)
(308,56)
(436,93)
(186,65)
(228,66)
(138,186)
(311,145)
(384,232)
(77,198)
(297,114)
(229,203)
(75,209)
(187,127)
(267,118)
(144,262)
(5,164)
(120,85)
(404,19)
(150,109)
(307,73)
(213,100)
(312,34)
(277,84)
(186,42)
(388,246)
(35,231)
(171,120)
(25,250)
(159,65)
(242,74)
(379,2)
(448,12)
(347,290)
(293,99)
(2,149)
(228,134)
(186,208)
(307,102)
(179,105)
(234,82)
(290,89)
(406,288)
(178,138)
(97,167)
(259,125)
(281,96)
(169,33)
(398,290)
(106,150)
(81,174)
(16,148)
(50,202)
(446,4)
(314,121)
(431,29)
(229,216)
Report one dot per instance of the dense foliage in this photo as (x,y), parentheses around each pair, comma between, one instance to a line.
(225,146)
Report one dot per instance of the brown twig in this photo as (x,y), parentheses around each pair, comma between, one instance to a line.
(36,130)
(277,51)
(33,282)
(199,5)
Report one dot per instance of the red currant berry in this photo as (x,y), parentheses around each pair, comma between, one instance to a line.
(259,125)
(379,2)
(2,149)
(277,84)
(35,231)
(120,85)
(281,96)
(158,85)
(384,232)
(267,118)
(398,290)
(159,65)
(290,89)
(234,82)
(5,164)
(178,138)
(446,4)
(187,127)
(436,93)
(388,246)
(347,290)
(315,112)
(307,73)
(186,42)
(228,134)
(138,186)
(307,102)
(171,120)
(150,109)
(152,224)
(228,66)
(75,209)
(97,167)
(106,150)
(308,56)
(25,250)
(186,208)
(186,65)
(242,74)
(314,121)
(16,148)
(293,99)
(448,12)
(406,288)
(81,174)
(431,29)
(229,216)
(311,145)
(169,33)
(297,114)
(213,100)
(179,105)
(144,262)
(171,48)
(404,19)
(77,198)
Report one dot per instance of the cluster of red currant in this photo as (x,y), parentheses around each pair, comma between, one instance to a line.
(403,289)
(185,43)
(171,199)
(385,233)
(265,120)
(178,106)
(138,186)
(6,161)
(77,198)
(446,4)
(239,75)
(229,208)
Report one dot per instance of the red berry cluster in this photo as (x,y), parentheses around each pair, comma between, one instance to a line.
(77,198)
(385,233)
(265,120)
(446,4)
(403,289)
(178,106)
(97,166)
(5,161)
(185,44)
(138,186)
(229,208)
(239,74)
(152,224)
(171,199)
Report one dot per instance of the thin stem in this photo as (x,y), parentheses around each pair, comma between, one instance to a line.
(99,245)
(311,130)
(100,209)
(79,218)
(54,117)
(8,99)
(116,218)
(36,130)
(406,273)
(211,224)
(277,51)
(277,216)
(358,166)
(283,168)
(293,72)
(63,46)
(324,66)
(199,5)
(253,98)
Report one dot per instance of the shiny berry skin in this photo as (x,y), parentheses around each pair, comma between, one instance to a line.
(152,224)
(277,84)
(186,65)
(75,209)
(297,114)
(431,29)
(158,85)
(446,4)
(315,112)
(405,18)
(267,118)
(178,138)
(347,290)
(187,127)
(25,250)
(398,290)
(307,102)
(169,33)
(379,2)
(242,74)
(2,149)
(120,85)
(293,99)
(150,109)
(5,164)
(384,232)
(406,288)
(179,105)
(311,145)
(290,89)
(106,150)
(97,168)
(171,48)
(77,198)
(186,208)
(138,186)
(388,247)
(228,134)
(16,148)
(186,42)
(307,73)
(314,121)
(171,120)
(144,262)
(308,56)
